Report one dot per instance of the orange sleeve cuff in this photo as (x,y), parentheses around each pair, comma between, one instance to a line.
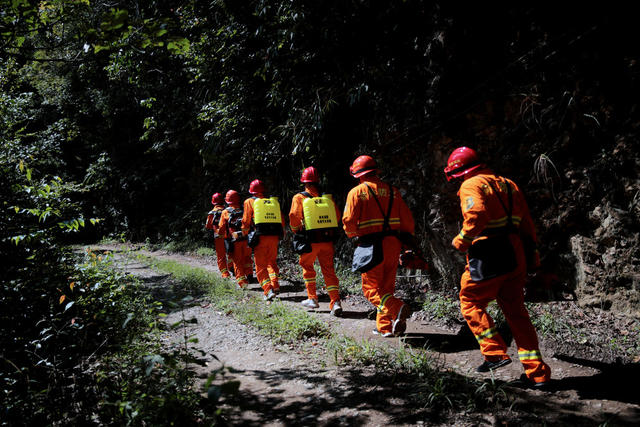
(461,243)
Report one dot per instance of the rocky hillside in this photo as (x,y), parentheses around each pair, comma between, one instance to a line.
(553,106)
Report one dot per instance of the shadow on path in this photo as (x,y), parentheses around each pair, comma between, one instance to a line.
(615,381)
(442,343)
(362,394)
(292,298)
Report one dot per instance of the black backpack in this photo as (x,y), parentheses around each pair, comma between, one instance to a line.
(235,219)
(216,216)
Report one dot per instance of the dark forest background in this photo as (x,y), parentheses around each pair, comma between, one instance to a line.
(142,110)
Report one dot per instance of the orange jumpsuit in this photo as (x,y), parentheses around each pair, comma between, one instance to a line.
(265,254)
(483,212)
(323,251)
(240,250)
(221,252)
(363,216)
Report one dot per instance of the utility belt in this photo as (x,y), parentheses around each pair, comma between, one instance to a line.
(371,238)
(322,235)
(493,256)
(500,231)
(269,229)
(229,243)
(370,252)
(264,229)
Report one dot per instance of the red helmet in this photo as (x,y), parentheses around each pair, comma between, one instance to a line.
(232,197)
(462,161)
(256,187)
(362,166)
(217,199)
(309,175)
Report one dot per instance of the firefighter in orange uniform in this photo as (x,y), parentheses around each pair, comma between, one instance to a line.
(266,252)
(230,229)
(363,215)
(213,219)
(499,237)
(321,241)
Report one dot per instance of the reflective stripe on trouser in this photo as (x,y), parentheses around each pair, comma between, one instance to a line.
(535,368)
(221,255)
(240,250)
(379,283)
(324,253)
(274,276)
(310,284)
(508,291)
(265,256)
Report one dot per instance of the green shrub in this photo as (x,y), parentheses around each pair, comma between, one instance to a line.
(282,323)
(440,306)
(350,282)
(204,251)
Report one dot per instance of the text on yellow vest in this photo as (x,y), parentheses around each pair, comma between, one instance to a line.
(267,211)
(319,212)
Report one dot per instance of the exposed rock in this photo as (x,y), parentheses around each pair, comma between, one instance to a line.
(604,272)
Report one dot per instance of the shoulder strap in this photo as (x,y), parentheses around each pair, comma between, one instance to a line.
(385,226)
(307,195)
(233,211)
(386,219)
(509,211)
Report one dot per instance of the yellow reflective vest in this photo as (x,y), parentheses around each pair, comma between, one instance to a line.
(267,211)
(267,216)
(319,213)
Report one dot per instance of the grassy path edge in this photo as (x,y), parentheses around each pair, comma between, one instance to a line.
(433,388)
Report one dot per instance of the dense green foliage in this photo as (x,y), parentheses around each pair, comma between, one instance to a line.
(80,345)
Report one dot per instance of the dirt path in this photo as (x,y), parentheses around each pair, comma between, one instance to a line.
(282,386)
